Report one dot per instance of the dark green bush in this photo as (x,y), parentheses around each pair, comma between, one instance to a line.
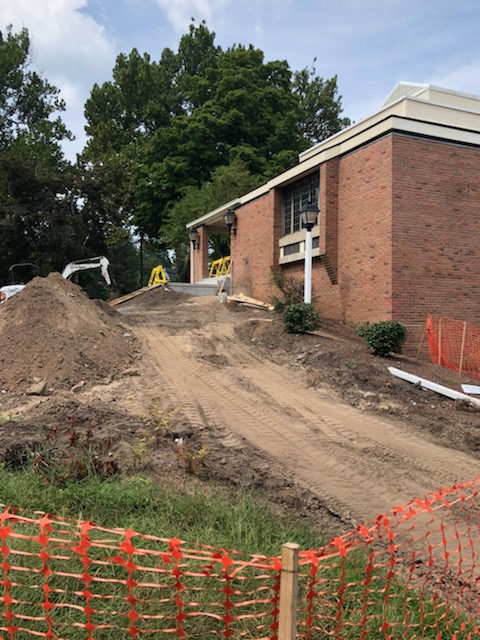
(290,288)
(383,337)
(300,318)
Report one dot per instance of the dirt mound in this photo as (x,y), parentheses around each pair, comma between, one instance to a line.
(52,333)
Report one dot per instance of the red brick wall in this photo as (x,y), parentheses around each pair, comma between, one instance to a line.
(254,247)
(200,255)
(364,232)
(355,224)
(436,213)
(355,236)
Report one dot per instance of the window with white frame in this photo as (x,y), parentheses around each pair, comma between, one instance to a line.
(295,196)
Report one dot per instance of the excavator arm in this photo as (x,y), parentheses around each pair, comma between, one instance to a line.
(100,262)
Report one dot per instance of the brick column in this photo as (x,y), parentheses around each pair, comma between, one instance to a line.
(199,256)
(329,216)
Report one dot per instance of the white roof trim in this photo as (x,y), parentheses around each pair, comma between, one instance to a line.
(435,119)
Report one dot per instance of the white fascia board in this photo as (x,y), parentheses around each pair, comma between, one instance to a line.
(214,216)
(436,131)
(392,117)
(392,109)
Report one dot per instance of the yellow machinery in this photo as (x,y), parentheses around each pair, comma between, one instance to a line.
(220,267)
(158,276)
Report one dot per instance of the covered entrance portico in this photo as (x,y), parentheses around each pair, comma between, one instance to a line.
(201,250)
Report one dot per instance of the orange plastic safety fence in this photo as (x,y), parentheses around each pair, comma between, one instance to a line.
(411,574)
(454,344)
(68,579)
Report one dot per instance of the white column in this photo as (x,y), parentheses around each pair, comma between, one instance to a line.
(192,268)
(307,295)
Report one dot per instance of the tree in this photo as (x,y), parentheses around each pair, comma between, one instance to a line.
(38,220)
(250,115)
(227,183)
(169,125)
(320,105)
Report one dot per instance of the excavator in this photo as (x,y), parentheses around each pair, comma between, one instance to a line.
(20,274)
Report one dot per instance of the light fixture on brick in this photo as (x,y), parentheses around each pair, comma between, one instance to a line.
(230,218)
(194,237)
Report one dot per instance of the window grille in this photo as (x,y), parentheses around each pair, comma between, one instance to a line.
(296,196)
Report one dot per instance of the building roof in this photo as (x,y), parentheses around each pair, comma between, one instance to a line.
(419,109)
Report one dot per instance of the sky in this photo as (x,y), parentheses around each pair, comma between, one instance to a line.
(369,44)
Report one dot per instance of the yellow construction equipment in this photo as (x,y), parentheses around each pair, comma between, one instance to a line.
(158,276)
(220,267)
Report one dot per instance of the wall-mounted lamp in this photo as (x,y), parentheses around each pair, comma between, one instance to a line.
(194,238)
(230,218)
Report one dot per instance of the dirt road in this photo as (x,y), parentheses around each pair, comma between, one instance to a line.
(360,464)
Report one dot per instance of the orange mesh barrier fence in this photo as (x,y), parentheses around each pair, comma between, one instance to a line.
(411,574)
(454,344)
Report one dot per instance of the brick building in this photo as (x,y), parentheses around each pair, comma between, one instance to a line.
(399,225)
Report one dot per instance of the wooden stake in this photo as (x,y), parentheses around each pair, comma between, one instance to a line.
(422,339)
(440,341)
(462,349)
(226,276)
(287,617)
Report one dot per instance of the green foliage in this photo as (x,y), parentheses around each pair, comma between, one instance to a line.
(320,105)
(300,318)
(38,219)
(171,123)
(197,514)
(290,288)
(383,337)
(226,183)
(169,140)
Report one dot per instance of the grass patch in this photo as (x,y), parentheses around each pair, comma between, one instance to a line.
(198,515)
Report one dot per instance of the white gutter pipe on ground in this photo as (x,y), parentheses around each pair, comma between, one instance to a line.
(433,386)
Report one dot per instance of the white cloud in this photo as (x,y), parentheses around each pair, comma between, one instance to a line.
(179,12)
(69,48)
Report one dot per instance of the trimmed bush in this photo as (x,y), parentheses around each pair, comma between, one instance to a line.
(383,337)
(300,318)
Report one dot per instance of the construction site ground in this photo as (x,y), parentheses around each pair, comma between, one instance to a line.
(220,394)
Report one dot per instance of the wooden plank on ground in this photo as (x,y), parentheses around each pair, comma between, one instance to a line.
(243,299)
(133,294)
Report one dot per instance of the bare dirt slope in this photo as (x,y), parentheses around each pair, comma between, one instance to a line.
(360,464)
(52,332)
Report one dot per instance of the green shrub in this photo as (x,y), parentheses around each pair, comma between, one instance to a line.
(291,289)
(300,318)
(383,337)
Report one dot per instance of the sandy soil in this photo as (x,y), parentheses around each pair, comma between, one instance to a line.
(314,422)
(357,463)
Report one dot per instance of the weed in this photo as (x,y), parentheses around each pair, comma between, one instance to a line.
(191,460)
(160,419)
(63,454)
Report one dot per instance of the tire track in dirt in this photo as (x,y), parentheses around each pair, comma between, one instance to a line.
(359,464)
(369,433)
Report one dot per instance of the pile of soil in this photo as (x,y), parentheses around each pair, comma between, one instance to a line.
(53,335)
